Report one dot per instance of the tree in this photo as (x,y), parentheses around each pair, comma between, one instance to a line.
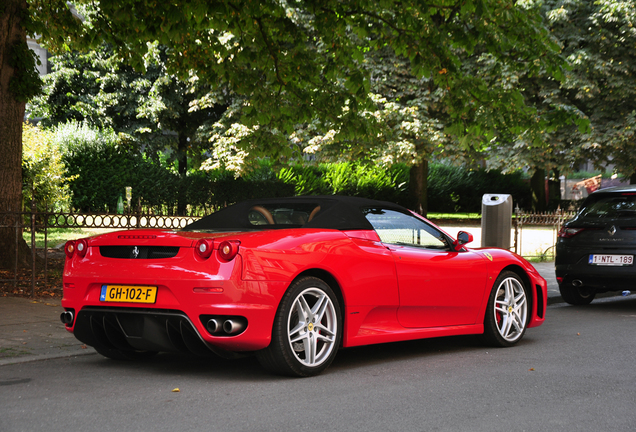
(292,62)
(413,117)
(598,40)
(160,112)
(18,82)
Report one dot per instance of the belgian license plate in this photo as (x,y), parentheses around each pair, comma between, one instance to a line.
(128,294)
(611,260)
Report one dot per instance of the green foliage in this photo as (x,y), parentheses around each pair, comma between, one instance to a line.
(598,40)
(158,110)
(103,165)
(25,82)
(294,63)
(44,175)
(359,81)
(456,189)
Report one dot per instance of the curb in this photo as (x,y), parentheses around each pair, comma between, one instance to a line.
(40,357)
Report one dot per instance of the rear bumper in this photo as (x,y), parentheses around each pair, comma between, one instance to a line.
(598,281)
(177,320)
(571,267)
(157,330)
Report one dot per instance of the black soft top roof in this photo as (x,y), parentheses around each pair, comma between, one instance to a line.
(336,212)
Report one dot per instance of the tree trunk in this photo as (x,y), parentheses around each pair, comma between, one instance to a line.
(537,185)
(182,161)
(418,185)
(554,191)
(11,118)
(632,178)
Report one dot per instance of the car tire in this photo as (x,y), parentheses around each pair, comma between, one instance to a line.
(507,311)
(577,296)
(307,330)
(117,354)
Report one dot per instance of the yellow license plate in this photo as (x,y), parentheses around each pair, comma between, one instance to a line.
(128,294)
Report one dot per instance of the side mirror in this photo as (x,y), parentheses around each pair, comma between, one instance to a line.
(462,238)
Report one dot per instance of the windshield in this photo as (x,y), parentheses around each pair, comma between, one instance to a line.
(612,206)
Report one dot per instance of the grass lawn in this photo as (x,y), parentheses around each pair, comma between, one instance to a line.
(58,236)
(456,216)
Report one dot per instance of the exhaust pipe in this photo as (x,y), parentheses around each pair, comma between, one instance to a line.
(67,317)
(213,326)
(233,327)
(577,283)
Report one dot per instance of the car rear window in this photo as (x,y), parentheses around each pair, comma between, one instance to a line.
(611,206)
(296,214)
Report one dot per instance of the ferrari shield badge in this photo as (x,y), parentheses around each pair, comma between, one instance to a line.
(488,256)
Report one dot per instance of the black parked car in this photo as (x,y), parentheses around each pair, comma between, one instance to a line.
(595,250)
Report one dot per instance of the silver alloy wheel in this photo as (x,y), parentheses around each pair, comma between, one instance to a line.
(511,309)
(312,327)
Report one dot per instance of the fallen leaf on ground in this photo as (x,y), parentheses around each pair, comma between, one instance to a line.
(176,390)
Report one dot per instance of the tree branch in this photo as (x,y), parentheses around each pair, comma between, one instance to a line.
(271,53)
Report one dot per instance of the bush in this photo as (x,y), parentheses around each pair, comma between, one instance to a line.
(211,190)
(351,179)
(103,165)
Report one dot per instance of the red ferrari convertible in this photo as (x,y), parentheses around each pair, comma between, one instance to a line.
(293,280)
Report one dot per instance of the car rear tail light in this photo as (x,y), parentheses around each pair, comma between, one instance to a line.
(569,232)
(81,246)
(69,248)
(204,247)
(228,249)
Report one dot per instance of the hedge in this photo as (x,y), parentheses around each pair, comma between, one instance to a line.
(453,189)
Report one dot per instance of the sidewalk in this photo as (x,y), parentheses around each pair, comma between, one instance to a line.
(31,329)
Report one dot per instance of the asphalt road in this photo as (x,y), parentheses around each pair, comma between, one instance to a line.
(575,373)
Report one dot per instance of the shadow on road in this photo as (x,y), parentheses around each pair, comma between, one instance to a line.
(248,369)
(451,352)
(614,303)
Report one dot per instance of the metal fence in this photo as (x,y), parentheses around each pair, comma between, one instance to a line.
(42,222)
(554,219)
(123,221)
